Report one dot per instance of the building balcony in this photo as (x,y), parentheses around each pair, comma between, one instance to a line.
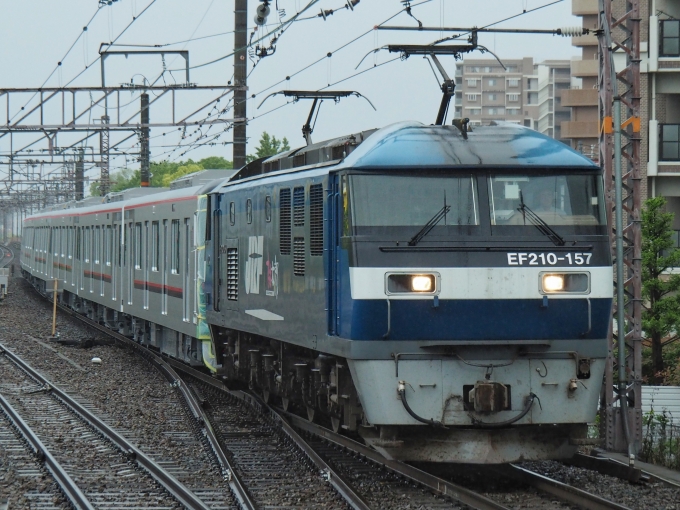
(580,129)
(584,7)
(579,97)
(585,68)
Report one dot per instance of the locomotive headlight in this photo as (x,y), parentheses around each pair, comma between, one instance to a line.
(553,282)
(564,283)
(422,283)
(410,283)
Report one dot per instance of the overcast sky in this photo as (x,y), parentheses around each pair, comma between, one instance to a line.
(35,35)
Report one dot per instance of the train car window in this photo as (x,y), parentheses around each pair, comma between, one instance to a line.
(378,200)
(556,199)
(69,243)
(155,248)
(174,247)
(285,229)
(232,213)
(138,245)
(79,237)
(299,206)
(316,220)
(97,245)
(109,242)
(249,211)
(86,244)
(268,208)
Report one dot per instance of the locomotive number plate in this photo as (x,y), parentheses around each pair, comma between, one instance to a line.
(548,259)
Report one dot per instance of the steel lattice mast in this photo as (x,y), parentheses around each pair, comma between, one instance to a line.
(620,32)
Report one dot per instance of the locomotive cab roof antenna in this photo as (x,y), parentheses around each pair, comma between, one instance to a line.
(316,95)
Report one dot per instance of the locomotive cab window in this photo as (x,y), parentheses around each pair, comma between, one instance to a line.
(565,200)
(373,203)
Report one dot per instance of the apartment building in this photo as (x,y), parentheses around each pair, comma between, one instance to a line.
(661,93)
(523,92)
(582,129)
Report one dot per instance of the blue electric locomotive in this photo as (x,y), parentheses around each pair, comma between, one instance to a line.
(445,294)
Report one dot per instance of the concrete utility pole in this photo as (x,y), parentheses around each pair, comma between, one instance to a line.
(144,140)
(240,75)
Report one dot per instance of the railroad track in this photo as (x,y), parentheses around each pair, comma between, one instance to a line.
(347,465)
(94,466)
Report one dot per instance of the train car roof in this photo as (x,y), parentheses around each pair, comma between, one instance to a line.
(163,195)
(412,144)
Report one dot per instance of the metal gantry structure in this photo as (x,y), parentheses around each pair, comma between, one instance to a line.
(620,32)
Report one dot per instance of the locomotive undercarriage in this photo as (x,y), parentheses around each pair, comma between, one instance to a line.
(310,381)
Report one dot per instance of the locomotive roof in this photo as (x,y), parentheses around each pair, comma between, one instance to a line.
(412,144)
(415,145)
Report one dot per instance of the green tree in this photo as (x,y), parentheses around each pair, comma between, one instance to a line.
(181,171)
(661,306)
(269,145)
(216,163)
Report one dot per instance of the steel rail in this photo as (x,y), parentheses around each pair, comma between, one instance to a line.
(65,482)
(432,482)
(245,500)
(178,490)
(558,489)
(238,489)
(336,480)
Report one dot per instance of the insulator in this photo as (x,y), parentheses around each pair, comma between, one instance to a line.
(260,20)
(262,10)
(571,31)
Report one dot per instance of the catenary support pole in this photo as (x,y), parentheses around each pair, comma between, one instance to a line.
(240,80)
(144,141)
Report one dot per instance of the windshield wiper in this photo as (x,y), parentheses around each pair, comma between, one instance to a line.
(429,225)
(538,222)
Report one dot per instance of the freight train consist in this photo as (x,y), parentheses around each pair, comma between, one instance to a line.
(443,294)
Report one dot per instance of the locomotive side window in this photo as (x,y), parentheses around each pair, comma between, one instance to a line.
(268,208)
(249,211)
(232,213)
(555,199)
(378,200)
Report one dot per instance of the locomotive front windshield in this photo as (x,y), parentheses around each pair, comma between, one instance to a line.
(395,201)
(460,204)
(557,200)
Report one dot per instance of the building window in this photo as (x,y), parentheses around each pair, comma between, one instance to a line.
(488,70)
(492,83)
(511,69)
(492,97)
(495,111)
(670,38)
(670,142)
(513,82)
(472,82)
(472,97)
(474,111)
(472,69)
(513,97)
